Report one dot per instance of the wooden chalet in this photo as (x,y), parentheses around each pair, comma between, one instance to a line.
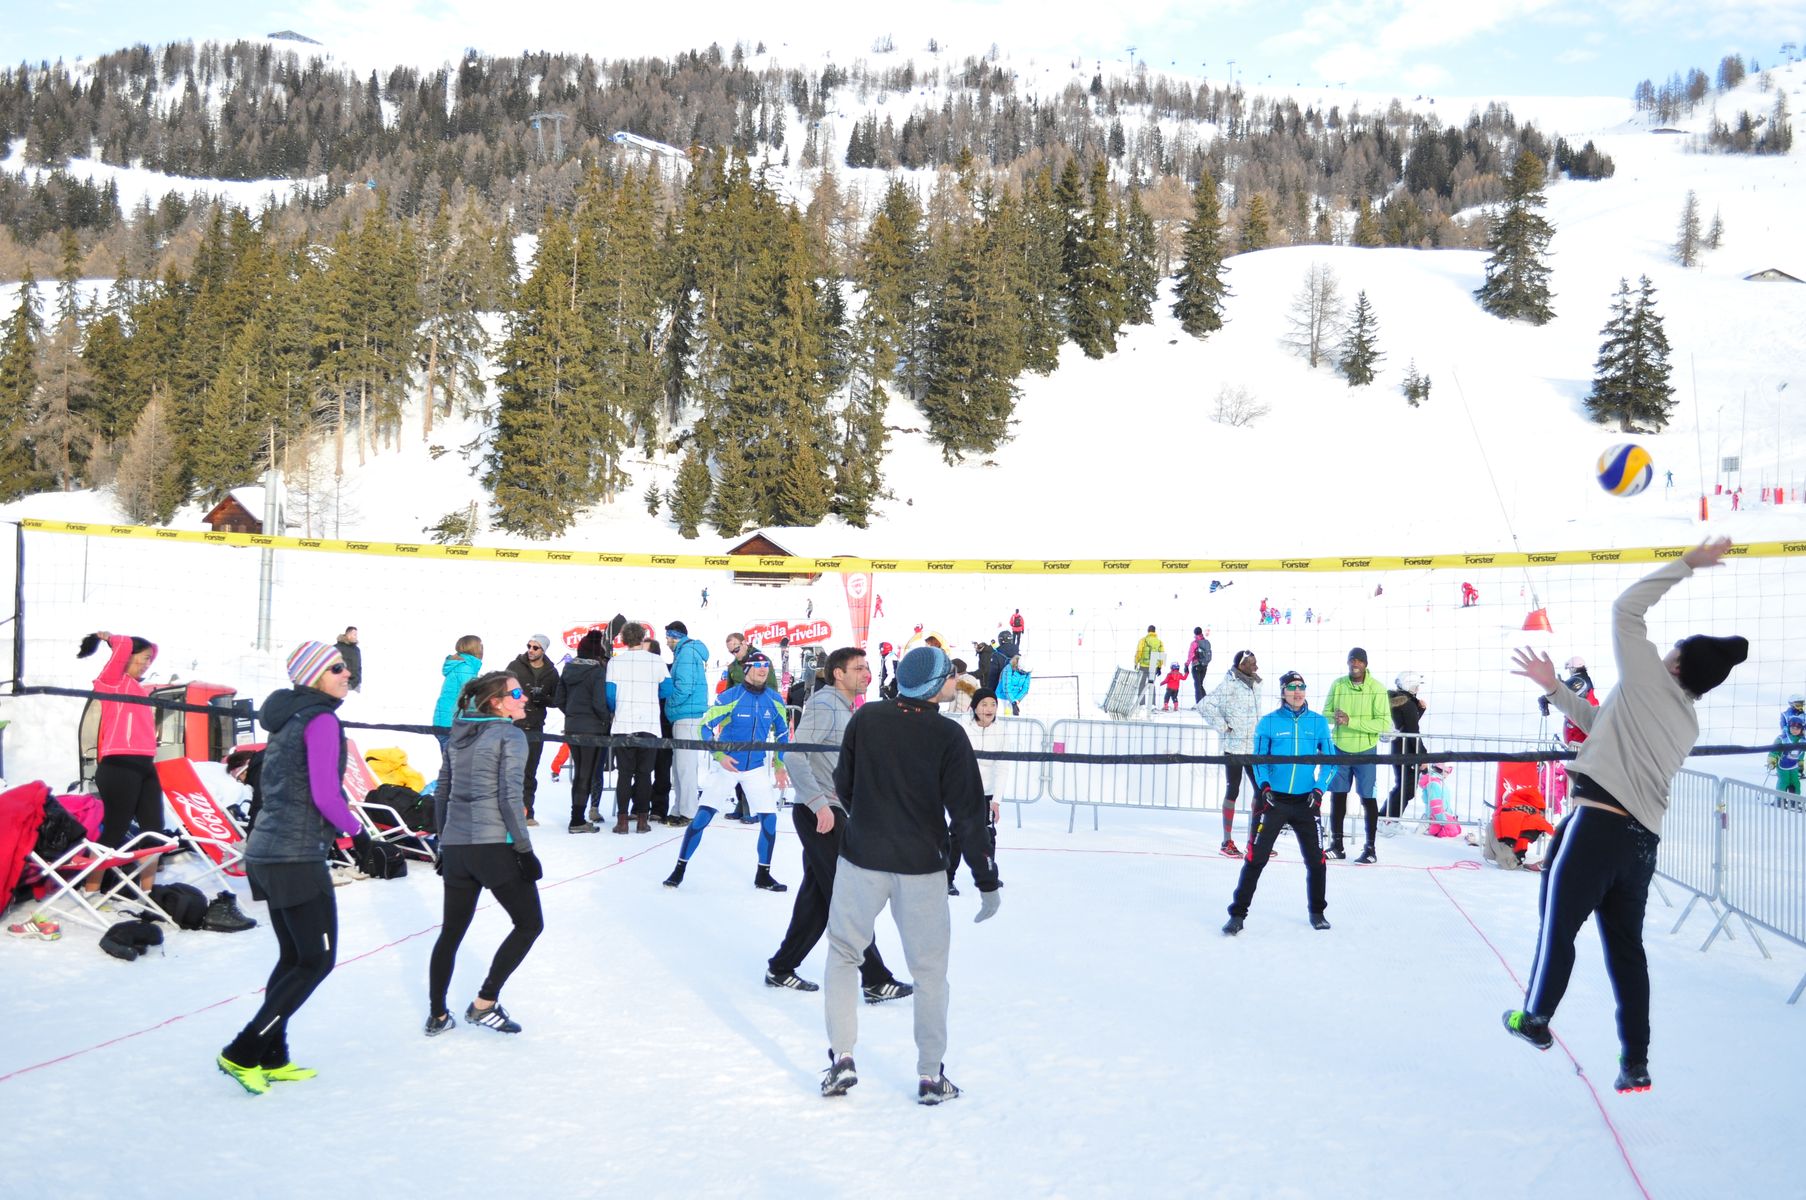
(231,516)
(759,544)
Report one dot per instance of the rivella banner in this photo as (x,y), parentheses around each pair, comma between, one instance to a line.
(859,603)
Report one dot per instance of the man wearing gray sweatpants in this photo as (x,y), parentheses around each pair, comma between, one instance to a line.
(904,773)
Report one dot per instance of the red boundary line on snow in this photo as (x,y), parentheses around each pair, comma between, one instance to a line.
(167,1021)
(1598,1102)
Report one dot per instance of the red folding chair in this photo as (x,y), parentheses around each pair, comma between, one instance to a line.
(63,881)
(360,781)
(210,827)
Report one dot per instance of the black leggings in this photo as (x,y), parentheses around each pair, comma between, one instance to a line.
(307,938)
(129,792)
(468,870)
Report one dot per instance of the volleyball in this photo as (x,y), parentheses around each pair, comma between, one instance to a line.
(1625,470)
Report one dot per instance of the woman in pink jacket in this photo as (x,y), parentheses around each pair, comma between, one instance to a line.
(126,777)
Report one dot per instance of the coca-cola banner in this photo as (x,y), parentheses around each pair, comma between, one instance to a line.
(859,603)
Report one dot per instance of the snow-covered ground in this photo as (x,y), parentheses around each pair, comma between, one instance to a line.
(1111,1043)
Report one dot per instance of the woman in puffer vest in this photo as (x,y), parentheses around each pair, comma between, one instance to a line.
(481,805)
(304,811)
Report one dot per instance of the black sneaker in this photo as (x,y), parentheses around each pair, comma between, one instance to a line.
(582,827)
(677,874)
(442,1023)
(840,1076)
(1632,1077)
(889,991)
(223,915)
(764,882)
(952,891)
(1335,851)
(1319,921)
(1232,926)
(938,1090)
(678,822)
(494,1017)
(791,980)
(1531,1028)
(1366,855)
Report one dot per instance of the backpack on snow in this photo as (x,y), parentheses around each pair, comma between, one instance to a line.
(185,903)
(415,810)
(380,860)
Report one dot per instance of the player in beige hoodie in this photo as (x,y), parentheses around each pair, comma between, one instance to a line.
(1603,854)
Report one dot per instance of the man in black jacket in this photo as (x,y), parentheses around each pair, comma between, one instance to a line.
(904,772)
(354,658)
(539,680)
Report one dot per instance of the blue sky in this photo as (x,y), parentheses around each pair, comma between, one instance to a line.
(1459,47)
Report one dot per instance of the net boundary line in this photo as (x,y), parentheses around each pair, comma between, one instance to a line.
(955,566)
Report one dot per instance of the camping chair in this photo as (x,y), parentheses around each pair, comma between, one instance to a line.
(210,827)
(63,880)
(360,781)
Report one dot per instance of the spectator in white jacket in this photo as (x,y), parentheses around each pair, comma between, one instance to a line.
(1232,710)
(633,679)
(983,731)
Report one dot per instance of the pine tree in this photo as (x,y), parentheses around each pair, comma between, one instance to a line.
(732,504)
(1687,239)
(971,392)
(653,498)
(20,337)
(146,485)
(1367,231)
(1256,232)
(1200,291)
(1630,376)
(1039,288)
(1416,387)
(1715,235)
(689,497)
(1141,263)
(452,342)
(1360,348)
(892,272)
(1091,261)
(1517,275)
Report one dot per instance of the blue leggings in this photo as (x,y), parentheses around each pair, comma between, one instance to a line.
(768,834)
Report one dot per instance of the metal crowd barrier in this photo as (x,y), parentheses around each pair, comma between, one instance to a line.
(1021,781)
(1185,787)
(1763,878)
(1690,854)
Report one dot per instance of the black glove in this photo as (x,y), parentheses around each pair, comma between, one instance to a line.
(530,870)
(1265,795)
(1316,800)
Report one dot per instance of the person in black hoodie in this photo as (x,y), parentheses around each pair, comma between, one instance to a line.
(303,811)
(904,772)
(538,678)
(583,685)
(1407,712)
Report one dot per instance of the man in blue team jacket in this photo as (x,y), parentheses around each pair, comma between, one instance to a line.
(1290,795)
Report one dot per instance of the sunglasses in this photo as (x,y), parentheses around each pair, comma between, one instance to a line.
(515,694)
(532,646)
(1295,687)
(338,668)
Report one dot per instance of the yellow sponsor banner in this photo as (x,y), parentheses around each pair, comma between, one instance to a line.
(923,566)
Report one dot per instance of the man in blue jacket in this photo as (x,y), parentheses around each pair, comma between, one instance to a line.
(1291,794)
(685,693)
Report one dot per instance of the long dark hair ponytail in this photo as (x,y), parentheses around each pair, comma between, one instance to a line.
(483,691)
(91,643)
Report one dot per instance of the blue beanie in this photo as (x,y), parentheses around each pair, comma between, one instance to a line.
(922,672)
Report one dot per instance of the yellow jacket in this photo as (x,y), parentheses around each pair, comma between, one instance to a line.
(390,765)
(1149,649)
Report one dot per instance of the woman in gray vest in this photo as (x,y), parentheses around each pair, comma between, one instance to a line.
(483,843)
(304,811)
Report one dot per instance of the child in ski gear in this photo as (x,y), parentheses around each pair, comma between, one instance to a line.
(750,712)
(1174,677)
(1435,799)
(1291,795)
(1604,853)
(1012,685)
(480,802)
(1520,820)
(1785,762)
(1795,710)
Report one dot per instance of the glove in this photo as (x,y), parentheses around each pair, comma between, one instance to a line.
(530,869)
(1265,795)
(1316,800)
(988,904)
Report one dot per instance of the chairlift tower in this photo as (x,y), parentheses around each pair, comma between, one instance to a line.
(557,119)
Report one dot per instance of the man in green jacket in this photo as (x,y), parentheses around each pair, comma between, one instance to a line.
(1359,712)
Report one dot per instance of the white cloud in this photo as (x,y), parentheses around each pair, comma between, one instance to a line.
(1576,56)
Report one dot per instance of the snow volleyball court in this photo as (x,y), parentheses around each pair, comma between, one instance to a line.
(1110,1041)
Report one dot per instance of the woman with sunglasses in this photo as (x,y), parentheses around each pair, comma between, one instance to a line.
(304,810)
(483,843)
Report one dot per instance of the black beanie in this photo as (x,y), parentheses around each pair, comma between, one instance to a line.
(1707,661)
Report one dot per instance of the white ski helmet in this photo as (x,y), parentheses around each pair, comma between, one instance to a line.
(1409,681)
(1576,663)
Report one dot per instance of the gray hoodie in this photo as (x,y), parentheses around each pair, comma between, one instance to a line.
(824,721)
(480,797)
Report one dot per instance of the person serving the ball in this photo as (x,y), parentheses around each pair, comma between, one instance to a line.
(1603,854)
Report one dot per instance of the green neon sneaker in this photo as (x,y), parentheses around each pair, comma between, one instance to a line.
(1531,1028)
(288,1072)
(252,1079)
